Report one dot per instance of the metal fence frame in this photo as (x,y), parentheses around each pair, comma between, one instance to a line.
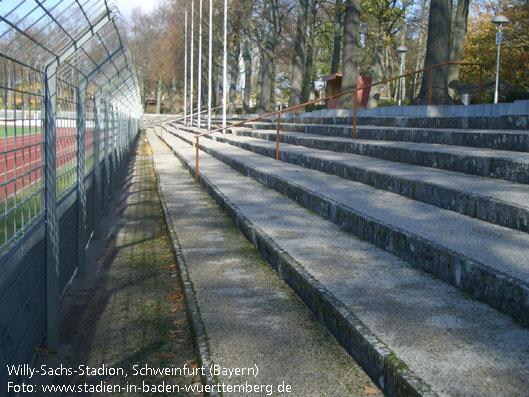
(72,89)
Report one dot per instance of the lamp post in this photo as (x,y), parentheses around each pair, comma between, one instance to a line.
(401,50)
(498,20)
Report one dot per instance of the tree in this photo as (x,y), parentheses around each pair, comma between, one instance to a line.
(459,30)
(268,36)
(479,45)
(298,63)
(350,51)
(437,51)
(337,36)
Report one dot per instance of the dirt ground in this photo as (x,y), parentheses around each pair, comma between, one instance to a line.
(128,314)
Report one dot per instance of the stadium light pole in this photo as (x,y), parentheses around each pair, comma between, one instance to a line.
(199,92)
(185,67)
(225,73)
(498,20)
(210,60)
(191,65)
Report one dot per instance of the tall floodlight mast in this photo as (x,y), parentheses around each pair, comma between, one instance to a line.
(191,64)
(185,67)
(199,92)
(225,78)
(210,60)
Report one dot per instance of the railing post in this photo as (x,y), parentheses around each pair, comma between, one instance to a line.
(97,171)
(52,226)
(354,113)
(106,154)
(196,160)
(430,87)
(277,134)
(81,191)
(113,146)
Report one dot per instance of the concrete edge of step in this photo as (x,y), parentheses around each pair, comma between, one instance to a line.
(380,363)
(464,202)
(198,331)
(507,294)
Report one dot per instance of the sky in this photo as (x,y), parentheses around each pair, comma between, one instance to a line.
(126,6)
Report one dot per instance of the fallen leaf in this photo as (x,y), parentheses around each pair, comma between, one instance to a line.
(371,390)
(164,355)
(308,323)
(192,364)
(157,308)
(172,266)
(180,322)
(174,310)
(175,297)
(160,377)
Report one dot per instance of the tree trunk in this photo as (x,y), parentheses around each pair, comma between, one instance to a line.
(159,96)
(264,104)
(308,81)
(421,52)
(298,63)
(247,56)
(456,47)
(437,51)
(234,76)
(173,94)
(350,51)
(374,95)
(337,39)
(273,87)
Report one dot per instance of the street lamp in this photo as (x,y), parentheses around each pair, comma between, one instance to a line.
(402,50)
(498,20)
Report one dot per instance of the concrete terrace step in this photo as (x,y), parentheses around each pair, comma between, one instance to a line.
(485,260)
(501,202)
(412,333)
(250,317)
(513,140)
(491,119)
(507,165)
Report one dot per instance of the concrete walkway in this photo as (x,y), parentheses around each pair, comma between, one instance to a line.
(129,310)
(256,328)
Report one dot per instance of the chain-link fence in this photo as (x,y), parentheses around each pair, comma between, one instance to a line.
(69,114)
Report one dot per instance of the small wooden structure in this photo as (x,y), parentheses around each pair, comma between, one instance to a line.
(334,86)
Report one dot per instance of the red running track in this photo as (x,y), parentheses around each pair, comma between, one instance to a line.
(20,158)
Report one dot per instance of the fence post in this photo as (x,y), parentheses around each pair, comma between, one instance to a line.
(81,191)
(106,153)
(113,153)
(52,225)
(97,171)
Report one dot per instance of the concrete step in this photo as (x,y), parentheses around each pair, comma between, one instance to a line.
(498,164)
(245,316)
(513,140)
(505,116)
(495,122)
(487,261)
(497,201)
(413,334)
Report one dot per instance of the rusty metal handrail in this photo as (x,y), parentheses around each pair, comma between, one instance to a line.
(352,91)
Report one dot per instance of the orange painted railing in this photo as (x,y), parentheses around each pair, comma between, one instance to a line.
(352,91)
